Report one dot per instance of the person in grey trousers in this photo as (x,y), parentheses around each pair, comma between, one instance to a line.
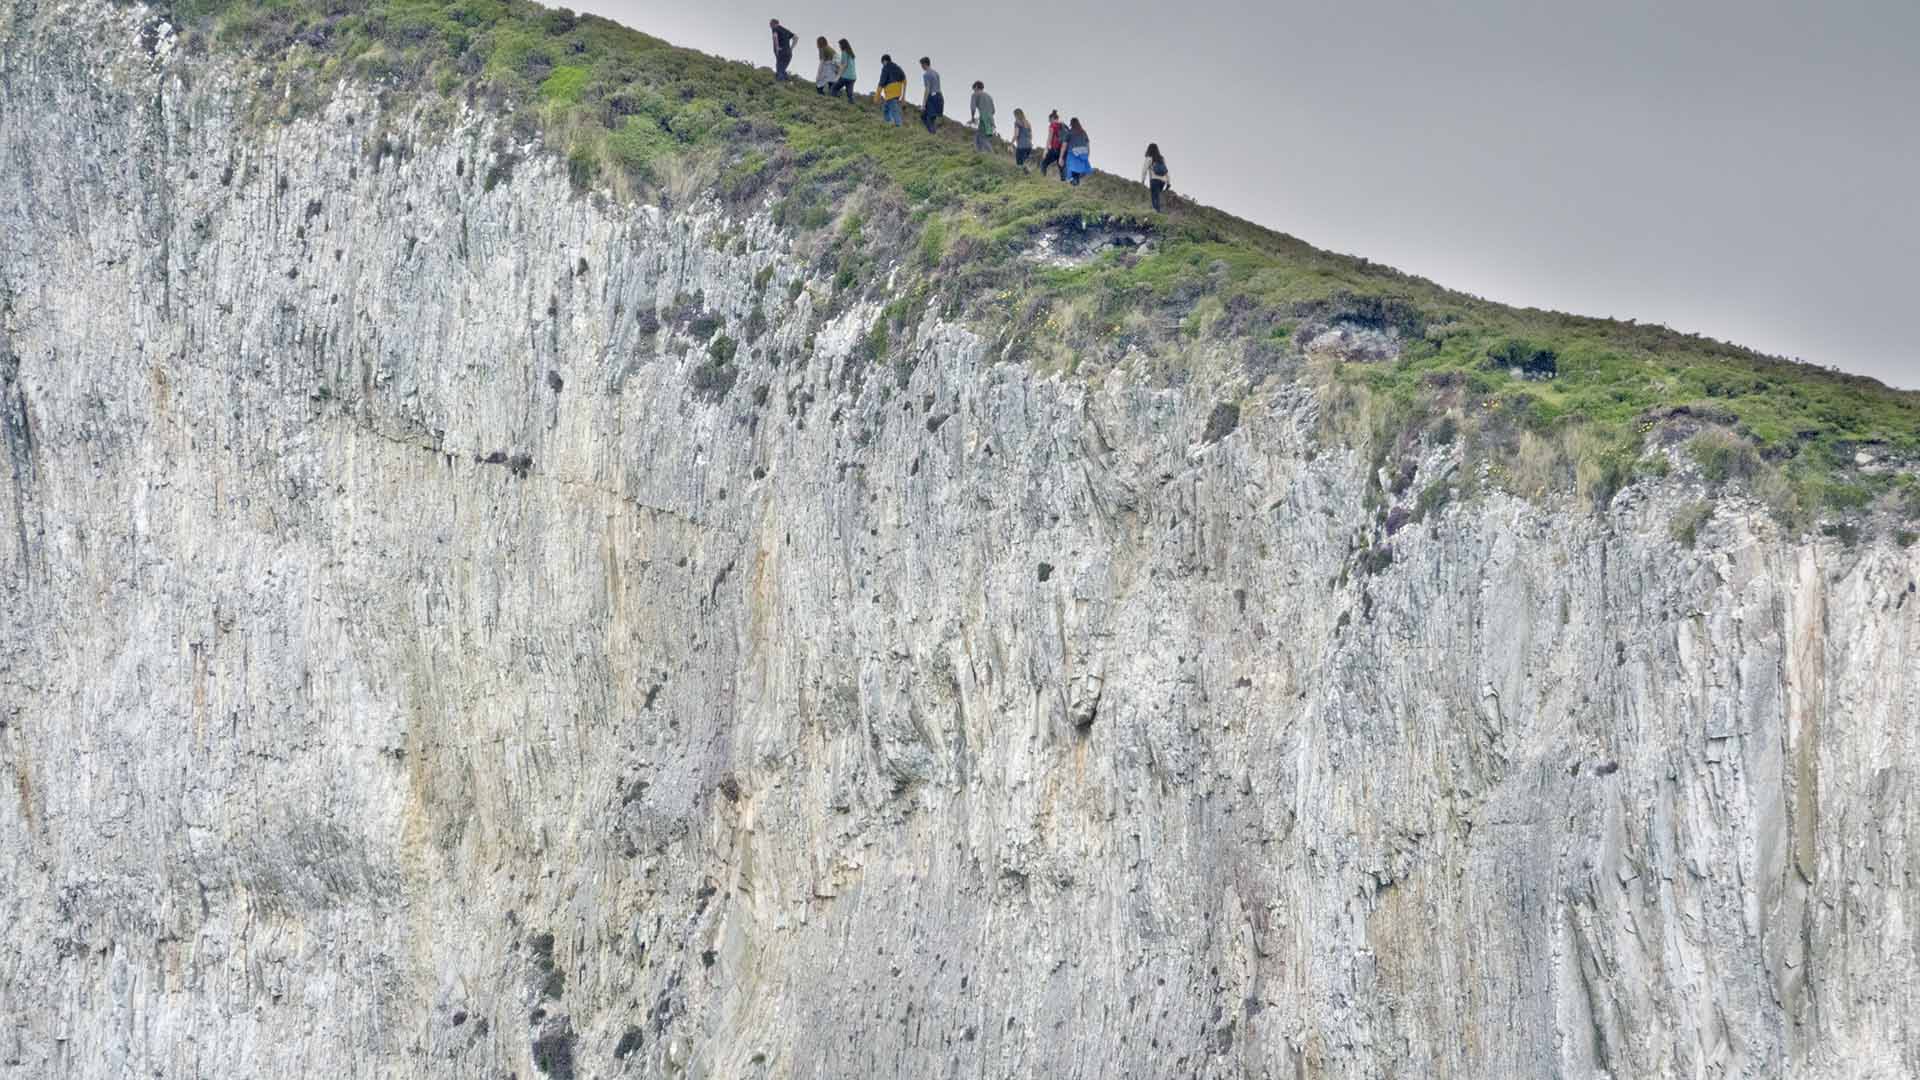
(980,110)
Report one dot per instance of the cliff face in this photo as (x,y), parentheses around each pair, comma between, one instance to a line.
(423,654)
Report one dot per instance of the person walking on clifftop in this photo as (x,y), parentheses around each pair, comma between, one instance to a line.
(847,66)
(892,91)
(1154,174)
(829,72)
(783,40)
(1056,146)
(980,112)
(934,104)
(1079,153)
(1022,139)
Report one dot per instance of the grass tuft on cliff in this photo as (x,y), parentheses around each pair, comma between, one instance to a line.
(1541,402)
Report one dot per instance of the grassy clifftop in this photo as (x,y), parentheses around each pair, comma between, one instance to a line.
(1546,401)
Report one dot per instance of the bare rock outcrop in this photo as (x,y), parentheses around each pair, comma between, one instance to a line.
(412,663)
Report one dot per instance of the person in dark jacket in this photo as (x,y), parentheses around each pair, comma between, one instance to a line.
(783,40)
(892,91)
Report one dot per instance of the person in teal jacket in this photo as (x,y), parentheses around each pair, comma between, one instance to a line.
(845,85)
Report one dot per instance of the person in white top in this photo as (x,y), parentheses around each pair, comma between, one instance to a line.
(829,73)
(1155,174)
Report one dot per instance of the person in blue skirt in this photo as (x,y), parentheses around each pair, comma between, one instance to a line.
(1079,152)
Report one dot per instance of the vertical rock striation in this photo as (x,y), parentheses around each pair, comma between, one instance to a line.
(427,650)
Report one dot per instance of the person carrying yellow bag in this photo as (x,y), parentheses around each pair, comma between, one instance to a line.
(893,91)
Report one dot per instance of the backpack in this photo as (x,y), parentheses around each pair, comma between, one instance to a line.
(1159,166)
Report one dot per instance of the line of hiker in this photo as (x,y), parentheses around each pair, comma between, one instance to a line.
(1069,150)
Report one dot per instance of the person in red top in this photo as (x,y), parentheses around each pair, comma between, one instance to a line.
(1056,139)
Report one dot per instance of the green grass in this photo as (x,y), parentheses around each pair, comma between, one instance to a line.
(565,86)
(1547,401)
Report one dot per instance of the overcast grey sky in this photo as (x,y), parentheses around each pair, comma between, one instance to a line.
(1745,169)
